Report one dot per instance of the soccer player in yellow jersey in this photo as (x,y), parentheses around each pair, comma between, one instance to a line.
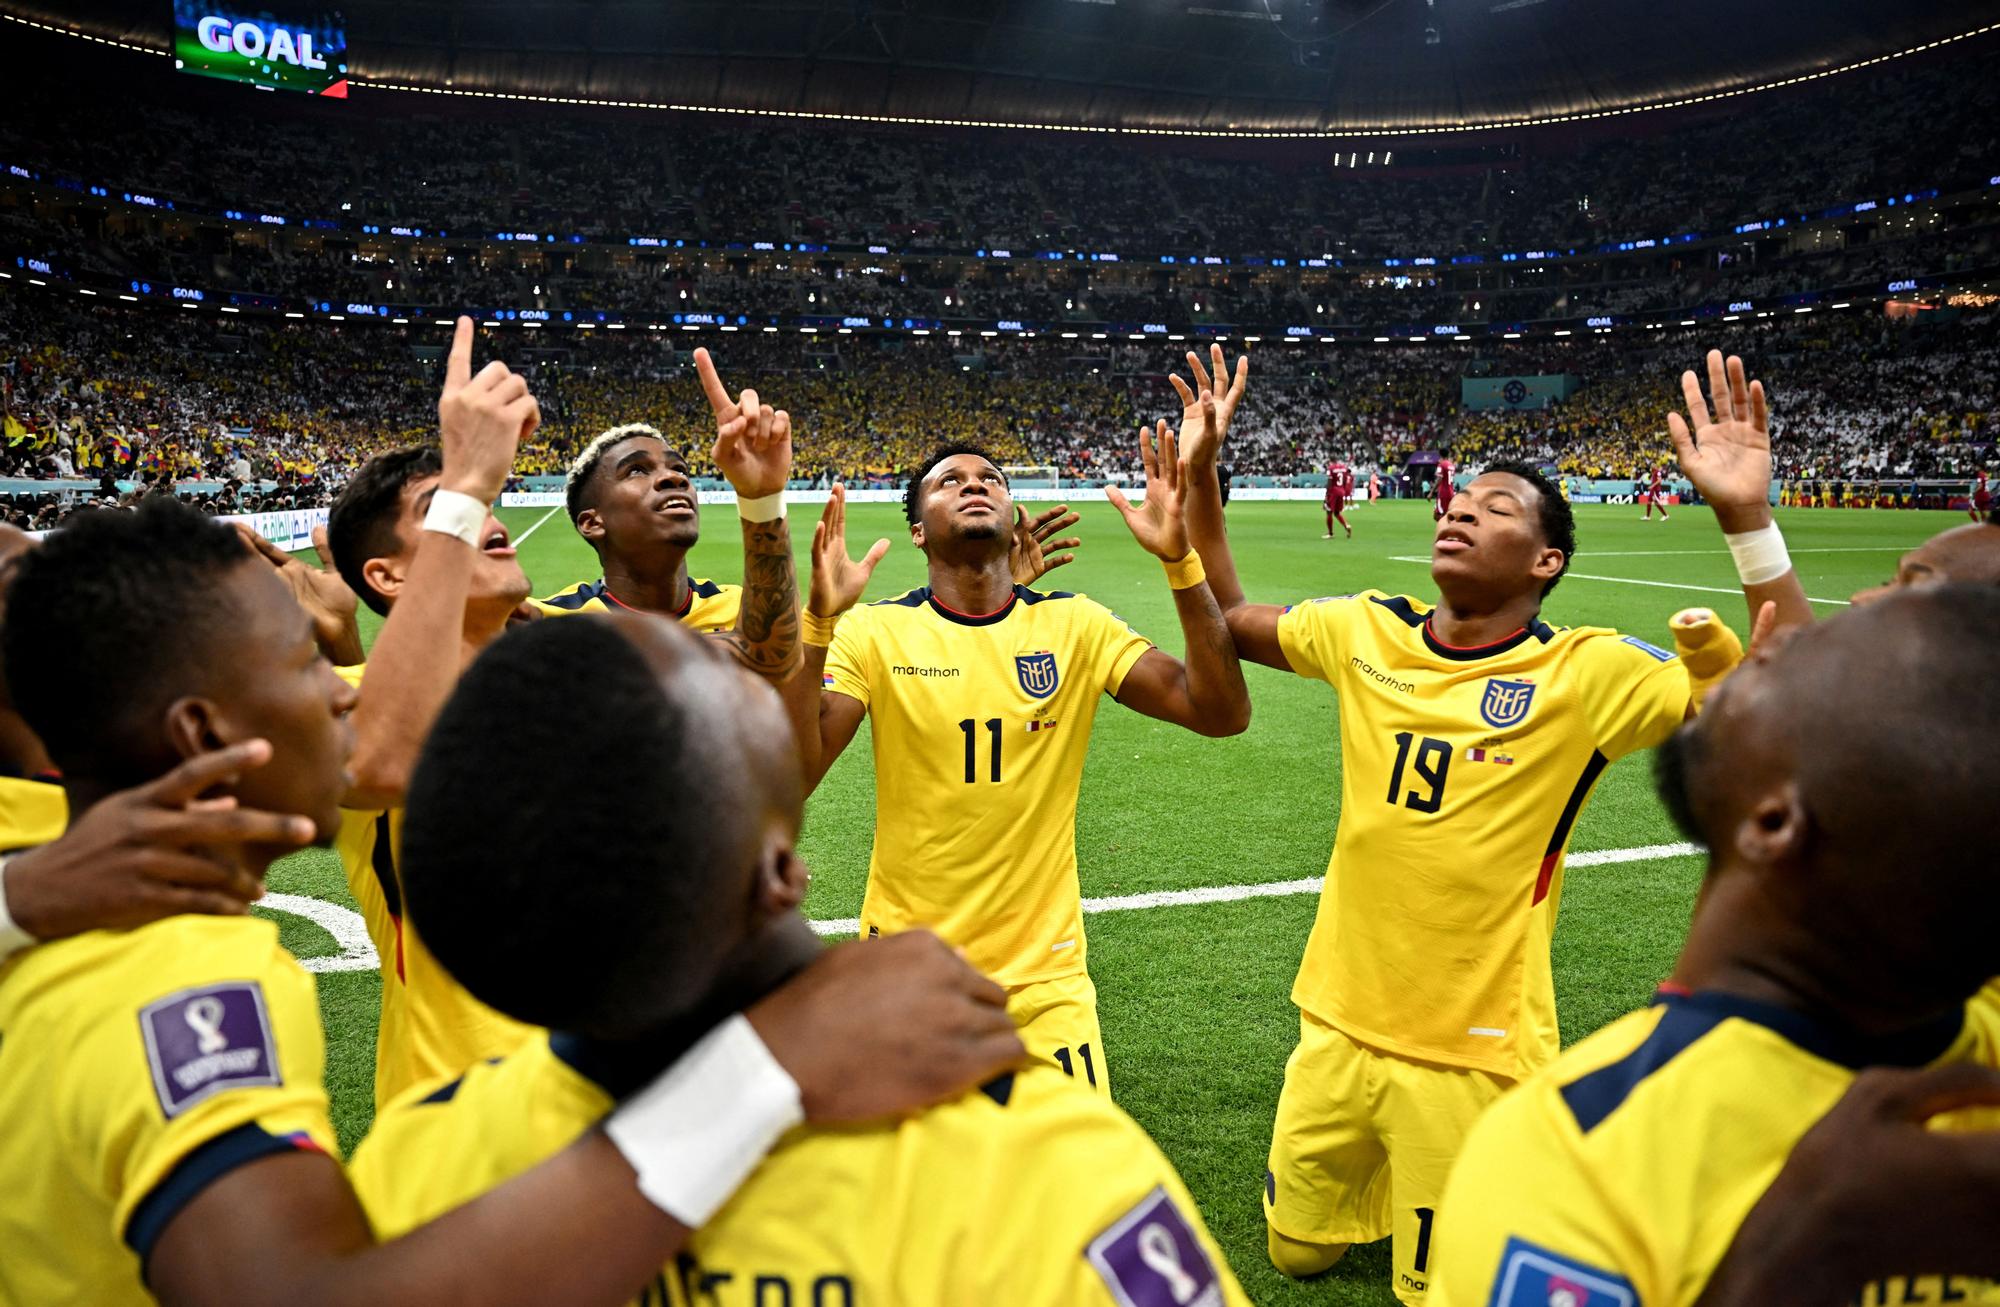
(1472,733)
(1845,922)
(1030,1191)
(444,604)
(982,693)
(168,1137)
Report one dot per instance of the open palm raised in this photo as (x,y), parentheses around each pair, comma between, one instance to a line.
(1158,524)
(1728,457)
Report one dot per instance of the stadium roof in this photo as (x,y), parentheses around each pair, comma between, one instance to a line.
(1258,65)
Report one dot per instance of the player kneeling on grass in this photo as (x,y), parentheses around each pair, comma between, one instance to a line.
(168,1133)
(1029,1190)
(982,693)
(1472,735)
(1846,921)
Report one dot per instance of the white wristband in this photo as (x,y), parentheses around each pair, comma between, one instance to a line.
(456,515)
(1760,554)
(12,938)
(765,508)
(698,1131)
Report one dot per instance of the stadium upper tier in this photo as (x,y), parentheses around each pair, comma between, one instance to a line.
(93,390)
(649,182)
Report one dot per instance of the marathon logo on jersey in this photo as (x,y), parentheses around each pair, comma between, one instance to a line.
(1505,703)
(1532,1276)
(1150,1257)
(1037,672)
(202,1041)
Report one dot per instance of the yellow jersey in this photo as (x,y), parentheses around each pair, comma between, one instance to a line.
(981,725)
(1462,772)
(428,1026)
(1030,1191)
(31,813)
(709,606)
(136,1067)
(1622,1172)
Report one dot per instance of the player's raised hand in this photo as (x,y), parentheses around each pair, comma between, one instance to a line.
(886,1027)
(1728,455)
(1201,438)
(1159,524)
(753,442)
(1033,552)
(837,580)
(482,420)
(151,852)
(326,598)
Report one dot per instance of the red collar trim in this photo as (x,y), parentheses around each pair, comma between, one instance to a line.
(1470,648)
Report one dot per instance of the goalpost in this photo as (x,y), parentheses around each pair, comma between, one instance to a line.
(1033,475)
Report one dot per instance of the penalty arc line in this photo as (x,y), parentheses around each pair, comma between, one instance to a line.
(1183,898)
(357,954)
(1661,585)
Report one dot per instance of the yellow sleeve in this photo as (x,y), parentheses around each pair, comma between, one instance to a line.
(1118,646)
(1311,635)
(847,659)
(1521,1220)
(221,1066)
(1634,694)
(1111,1224)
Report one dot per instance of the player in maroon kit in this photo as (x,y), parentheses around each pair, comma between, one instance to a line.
(1445,490)
(1339,486)
(1657,496)
(1982,498)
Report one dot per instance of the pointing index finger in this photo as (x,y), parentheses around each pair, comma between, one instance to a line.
(458,363)
(711,384)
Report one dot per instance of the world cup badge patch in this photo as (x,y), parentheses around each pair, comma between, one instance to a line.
(1533,1276)
(200,1042)
(1505,703)
(1151,1257)
(1037,672)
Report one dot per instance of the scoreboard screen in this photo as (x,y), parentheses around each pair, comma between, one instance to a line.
(303,52)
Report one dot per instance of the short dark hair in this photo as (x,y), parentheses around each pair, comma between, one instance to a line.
(612,878)
(105,620)
(363,521)
(910,511)
(1558,522)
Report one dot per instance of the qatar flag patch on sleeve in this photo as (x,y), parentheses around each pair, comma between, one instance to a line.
(202,1041)
(1151,1257)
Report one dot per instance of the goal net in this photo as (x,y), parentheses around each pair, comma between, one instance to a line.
(1033,476)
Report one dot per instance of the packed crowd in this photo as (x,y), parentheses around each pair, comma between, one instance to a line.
(278,416)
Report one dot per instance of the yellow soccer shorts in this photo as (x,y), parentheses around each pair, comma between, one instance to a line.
(1363,1143)
(1058,1022)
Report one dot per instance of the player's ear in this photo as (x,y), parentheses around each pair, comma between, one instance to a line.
(917,534)
(1776,827)
(386,575)
(196,726)
(590,525)
(1548,565)
(781,879)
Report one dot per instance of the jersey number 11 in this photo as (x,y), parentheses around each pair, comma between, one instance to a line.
(971,729)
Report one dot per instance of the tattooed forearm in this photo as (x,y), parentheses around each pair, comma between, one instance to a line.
(766,638)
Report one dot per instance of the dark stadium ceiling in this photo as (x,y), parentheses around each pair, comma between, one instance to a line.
(1261,65)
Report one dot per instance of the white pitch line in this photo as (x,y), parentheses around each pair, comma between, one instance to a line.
(1628,580)
(1724,553)
(552,512)
(344,924)
(1183,898)
(358,954)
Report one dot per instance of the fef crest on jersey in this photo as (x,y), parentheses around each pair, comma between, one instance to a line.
(1505,703)
(1037,672)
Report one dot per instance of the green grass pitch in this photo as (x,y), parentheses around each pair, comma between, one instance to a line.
(1197,1022)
